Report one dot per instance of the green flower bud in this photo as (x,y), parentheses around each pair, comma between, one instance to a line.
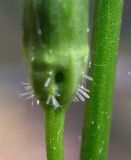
(55,48)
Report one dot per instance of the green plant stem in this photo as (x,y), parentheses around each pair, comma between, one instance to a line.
(105,38)
(54,127)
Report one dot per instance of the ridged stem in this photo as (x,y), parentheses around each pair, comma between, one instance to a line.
(104,45)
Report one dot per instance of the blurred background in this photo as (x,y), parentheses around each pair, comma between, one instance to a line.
(21,124)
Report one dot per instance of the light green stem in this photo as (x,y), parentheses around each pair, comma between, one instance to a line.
(54,127)
(105,38)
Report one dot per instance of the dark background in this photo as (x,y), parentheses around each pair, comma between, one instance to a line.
(21,125)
